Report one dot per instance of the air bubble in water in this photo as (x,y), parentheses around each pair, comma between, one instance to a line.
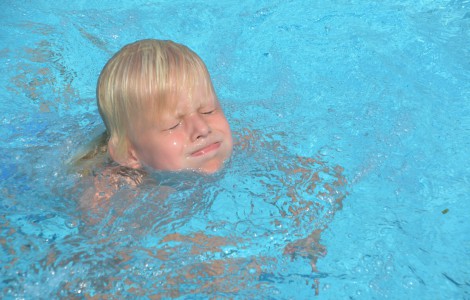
(71,224)
(410,282)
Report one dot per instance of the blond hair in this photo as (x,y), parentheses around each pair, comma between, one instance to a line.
(138,83)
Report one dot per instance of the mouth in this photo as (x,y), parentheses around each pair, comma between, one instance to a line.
(207,149)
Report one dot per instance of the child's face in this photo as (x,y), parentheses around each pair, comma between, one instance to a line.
(195,136)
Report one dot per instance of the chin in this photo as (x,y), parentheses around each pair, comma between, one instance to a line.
(211,168)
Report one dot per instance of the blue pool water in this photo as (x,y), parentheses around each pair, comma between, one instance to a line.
(375,91)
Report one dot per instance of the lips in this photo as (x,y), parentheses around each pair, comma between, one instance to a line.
(207,149)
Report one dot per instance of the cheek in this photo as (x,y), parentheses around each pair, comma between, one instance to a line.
(228,131)
(169,154)
(221,123)
(174,143)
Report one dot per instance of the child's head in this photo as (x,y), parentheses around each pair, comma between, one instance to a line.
(160,109)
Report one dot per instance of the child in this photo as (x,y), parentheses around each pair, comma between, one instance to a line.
(158,103)
(161,112)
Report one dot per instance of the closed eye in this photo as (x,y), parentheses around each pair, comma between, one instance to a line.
(208,112)
(173,127)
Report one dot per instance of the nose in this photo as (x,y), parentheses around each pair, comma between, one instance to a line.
(199,128)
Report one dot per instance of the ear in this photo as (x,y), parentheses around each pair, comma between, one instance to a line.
(129,159)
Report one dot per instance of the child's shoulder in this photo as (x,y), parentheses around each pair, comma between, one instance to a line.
(118,176)
(104,182)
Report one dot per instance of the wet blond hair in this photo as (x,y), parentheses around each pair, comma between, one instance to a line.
(142,80)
